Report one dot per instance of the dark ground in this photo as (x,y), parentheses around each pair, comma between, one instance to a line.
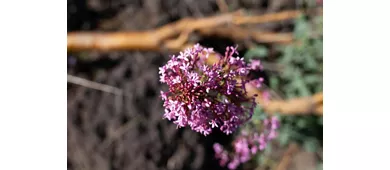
(110,132)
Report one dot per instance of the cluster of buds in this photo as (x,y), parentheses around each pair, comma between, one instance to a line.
(204,96)
(246,145)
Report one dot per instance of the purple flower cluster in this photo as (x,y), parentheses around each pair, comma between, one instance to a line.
(205,97)
(247,145)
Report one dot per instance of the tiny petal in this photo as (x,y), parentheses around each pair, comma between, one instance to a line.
(217,148)
(213,124)
(253,150)
(255,65)
(163,95)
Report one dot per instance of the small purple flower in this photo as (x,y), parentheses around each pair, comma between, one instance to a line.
(217,148)
(257,82)
(221,154)
(224,159)
(234,164)
(248,144)
(253,150)
(272,135)
(255,65)
(274,123)
(262,142)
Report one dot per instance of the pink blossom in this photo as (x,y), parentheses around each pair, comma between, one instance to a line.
(255,65)
(198,93)
(257,82)
(247,144)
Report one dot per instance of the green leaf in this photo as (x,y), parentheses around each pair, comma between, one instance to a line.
(320,166)
(310,145)
(258,114)
(290,93)
(296,135)
(302,49)
(284,137)
(260,159)
(274,82)
(258,51)
(312,79)
(318,88)
(268,149)
(288,72)
(318,47)
(301,29)
(318,22)
(320,120)
(289,119)
(300,85)
(310,62)
(288,54)
(311,3)
(301,123)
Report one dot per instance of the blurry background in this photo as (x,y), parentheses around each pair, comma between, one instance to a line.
(122,127)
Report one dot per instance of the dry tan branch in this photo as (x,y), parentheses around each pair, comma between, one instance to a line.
(223,7)
(279,16)
(295,106)
(267,17)
(160,38)
(287,157)
(239,34)
(145,41)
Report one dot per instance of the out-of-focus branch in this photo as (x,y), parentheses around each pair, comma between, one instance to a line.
(80,41)
(287,157)
(94,85)
(239,34)
(223,7)
(295,106)
(279,16)
(161,38)
(267,17)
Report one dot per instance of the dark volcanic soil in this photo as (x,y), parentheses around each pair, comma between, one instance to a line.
(113,132)
(106,131)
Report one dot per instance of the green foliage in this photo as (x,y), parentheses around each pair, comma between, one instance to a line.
(257,52)
(258,114)
(308,3)
(301,76)
(310,144)
(302,61)
(319,166)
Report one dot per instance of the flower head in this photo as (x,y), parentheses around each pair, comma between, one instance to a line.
(206,97)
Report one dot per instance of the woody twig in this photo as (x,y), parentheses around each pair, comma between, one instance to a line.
(225,25)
